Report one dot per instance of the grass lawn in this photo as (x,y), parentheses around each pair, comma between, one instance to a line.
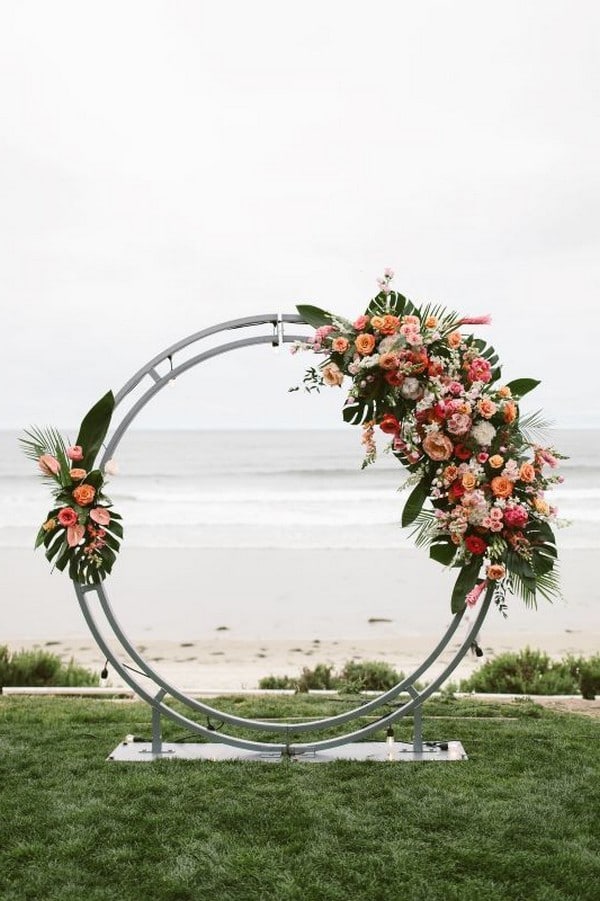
(519,820)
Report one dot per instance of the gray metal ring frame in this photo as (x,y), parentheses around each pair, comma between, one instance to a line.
(152,370)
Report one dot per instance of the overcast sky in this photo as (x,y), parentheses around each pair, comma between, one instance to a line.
(169,165)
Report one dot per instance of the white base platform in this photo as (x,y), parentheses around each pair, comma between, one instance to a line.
(379,751)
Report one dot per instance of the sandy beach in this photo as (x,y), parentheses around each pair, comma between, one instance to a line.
(223,618)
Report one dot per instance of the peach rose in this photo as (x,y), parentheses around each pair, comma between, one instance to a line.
(496,461)
(377,322)
(84,495)
(365,344)
(388,361)
(411,320)
(541,506)
(468,481)
(504,391)
(49,525)
(431,322)
(527,472)
(340,345)
(496,571)
(390,324)
(332,375)
(486,407)
(437,446)
(78,474)
(510,411)
(454,340)
(501,486)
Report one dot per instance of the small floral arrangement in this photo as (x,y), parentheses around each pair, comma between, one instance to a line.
(437,393)
(82,530)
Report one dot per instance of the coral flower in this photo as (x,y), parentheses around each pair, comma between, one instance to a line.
(84,494)
(437,446)
(486,407)
(67,516)
(510,411)
(501,486)
(390,324)
(361,323)
(388,361)
(394,378)
(77,474)
(365,344)
(496,571)
(479,370)
(49,465)
(454,340)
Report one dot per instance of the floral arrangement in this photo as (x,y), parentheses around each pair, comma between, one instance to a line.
(82,530)
(437,393)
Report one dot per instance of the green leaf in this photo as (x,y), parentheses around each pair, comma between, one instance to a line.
(416,499)
(521,387)
(356,413)
(314,316)
(93,429)
(443,552)
(466,581)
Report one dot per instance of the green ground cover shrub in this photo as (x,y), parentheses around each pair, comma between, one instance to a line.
(534,672)
(39,668)
(354,677)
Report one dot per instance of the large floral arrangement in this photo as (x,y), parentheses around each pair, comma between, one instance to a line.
(81,531)
(437,393)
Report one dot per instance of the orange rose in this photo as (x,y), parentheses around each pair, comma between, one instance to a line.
(541,506)
(84,495)
(377,322)
(501,486)
(527,472)
(364,344)
(438,446)
(510,411)
(496,462)
(468,481)
(431,322)
(388,361)
(340,345)
(390,324)
(78,474)
(496,571)
(454,339)
(332,376)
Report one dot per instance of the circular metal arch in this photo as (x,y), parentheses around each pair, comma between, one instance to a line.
(265,329)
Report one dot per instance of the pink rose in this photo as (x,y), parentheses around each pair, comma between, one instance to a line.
(455,388)
(459,424)
(49,465)
(74,535)
(515,517)
(67,516)
(361,323)
(75,453)
(479,370)
(100,515)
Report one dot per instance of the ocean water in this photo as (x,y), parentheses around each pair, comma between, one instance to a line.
(284,489)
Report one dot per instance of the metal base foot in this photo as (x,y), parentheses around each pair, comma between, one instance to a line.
(379,751)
